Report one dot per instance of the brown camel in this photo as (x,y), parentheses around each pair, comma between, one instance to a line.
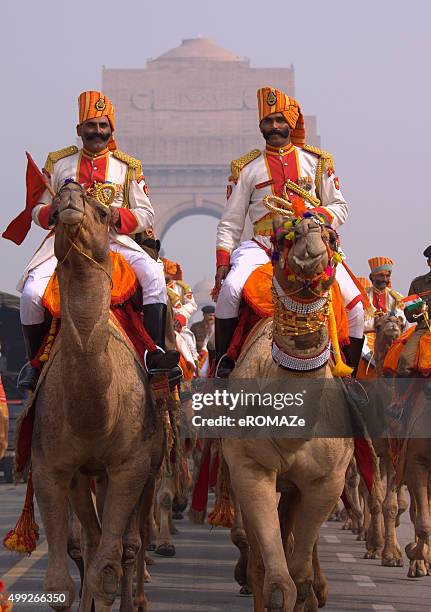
(93,413)
(280,568)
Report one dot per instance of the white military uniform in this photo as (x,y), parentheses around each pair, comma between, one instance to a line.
(254,176)
(125,173)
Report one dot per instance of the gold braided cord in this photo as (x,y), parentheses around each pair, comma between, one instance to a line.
(286,207)
(301,192)
(325,162)
(289,323)
(134,171)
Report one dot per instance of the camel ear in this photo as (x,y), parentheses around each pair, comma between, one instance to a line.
(402,322)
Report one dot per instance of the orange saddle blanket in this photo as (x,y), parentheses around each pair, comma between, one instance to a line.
(124,285)
(422,361)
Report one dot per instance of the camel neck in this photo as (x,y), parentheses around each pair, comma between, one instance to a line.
(300,333)
(87,369)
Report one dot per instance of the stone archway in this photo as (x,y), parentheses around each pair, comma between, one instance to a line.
(168,216)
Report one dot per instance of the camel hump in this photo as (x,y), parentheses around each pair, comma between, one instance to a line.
(132,162)
(55,156)
(238,164)
(326,157)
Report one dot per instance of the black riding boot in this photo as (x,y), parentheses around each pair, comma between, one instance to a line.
(33,338)
(224,330)
(161,360)
(352,353)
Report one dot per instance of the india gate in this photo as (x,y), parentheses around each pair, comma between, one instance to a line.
(186,115)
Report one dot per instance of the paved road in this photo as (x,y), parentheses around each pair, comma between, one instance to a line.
(200,579)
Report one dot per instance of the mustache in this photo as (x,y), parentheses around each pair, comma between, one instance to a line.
(102,137)
(284,133)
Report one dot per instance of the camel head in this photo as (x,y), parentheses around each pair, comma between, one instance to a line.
(388,328)
(305,253)
(82,221)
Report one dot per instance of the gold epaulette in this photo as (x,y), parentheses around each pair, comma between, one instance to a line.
(55,156)
(132,162)
(325,163)
(324,155)
(238,164)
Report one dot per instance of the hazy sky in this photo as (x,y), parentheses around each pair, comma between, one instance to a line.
(361,67)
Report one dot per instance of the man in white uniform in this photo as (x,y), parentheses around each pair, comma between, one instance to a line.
(98,161)
(304,170)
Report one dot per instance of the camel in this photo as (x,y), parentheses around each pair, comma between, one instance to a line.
(93,413)
(280,568)
(378,512)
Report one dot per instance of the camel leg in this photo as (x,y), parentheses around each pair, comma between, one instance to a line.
(239,539)
(255,489)
(364,524)
(74,545)
(51,489)
(375,538)
(392,556)
(145,511)
(320,584)
(417,476)
(165,497)
(124,489)
(316,502)
(131,547)
(403,503)
(352,493)
(82,504)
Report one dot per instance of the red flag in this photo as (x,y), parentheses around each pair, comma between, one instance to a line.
(36,183)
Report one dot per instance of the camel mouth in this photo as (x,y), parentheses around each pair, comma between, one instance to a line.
(70,216)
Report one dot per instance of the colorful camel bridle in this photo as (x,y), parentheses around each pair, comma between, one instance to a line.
(104,197)
(299,317)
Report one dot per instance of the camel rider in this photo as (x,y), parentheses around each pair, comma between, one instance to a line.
(382,298)
(305,171)
(98,161)
(420,287)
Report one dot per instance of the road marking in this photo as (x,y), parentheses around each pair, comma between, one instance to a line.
(363,581)
(331,539)
(325,525)
(383,607)
(346,557)
(22,567)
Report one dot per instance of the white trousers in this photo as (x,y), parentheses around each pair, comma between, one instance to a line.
(249,256)
(150,276)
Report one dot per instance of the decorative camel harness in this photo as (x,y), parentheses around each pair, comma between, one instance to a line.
(299,318)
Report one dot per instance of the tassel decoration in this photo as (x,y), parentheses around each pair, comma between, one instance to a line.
(23,538)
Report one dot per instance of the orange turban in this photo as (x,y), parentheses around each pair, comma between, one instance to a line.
(377,264)
(271,100)
(95,104)
(172,269)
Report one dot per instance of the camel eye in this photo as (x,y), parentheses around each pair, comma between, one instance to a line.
(102,214)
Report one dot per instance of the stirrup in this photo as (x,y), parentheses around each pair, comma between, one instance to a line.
(174,375)
(28,377)
(224,367)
